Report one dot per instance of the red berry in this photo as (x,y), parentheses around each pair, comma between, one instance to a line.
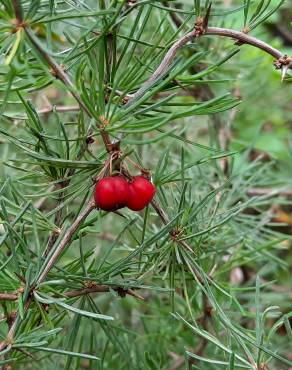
(111,193)
(141,193)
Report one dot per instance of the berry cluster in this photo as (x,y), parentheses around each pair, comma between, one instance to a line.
(114,192)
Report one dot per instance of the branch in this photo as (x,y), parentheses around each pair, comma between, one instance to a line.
(162,68)
(174,16)
(61,75)
(48,110)
(60,108)
(205,92)
(8,297)
(66,240)
(243,38)
(102,289)
(53,259)
(122,292)
(17,10)
(269,192)
(59,72)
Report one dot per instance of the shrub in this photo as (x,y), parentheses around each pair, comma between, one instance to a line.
(198,278)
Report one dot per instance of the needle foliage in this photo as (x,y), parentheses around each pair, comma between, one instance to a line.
(199,279)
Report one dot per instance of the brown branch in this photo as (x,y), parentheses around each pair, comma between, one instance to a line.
(102,289)
(178,363)
(205,92)
(26,353)
(60,108)
(269,192)
(12,328)
(174,16)
(66,240)
(50,109)
(62,245)
(242,37)
(56,70)
(161,213)
(88,290)
(94,289)
(17,10)
(8,297)
(162,68)
(59,72)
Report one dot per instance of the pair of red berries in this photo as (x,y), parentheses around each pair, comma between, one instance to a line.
(114,192)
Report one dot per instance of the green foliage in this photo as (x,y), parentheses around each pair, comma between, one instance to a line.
(200,277)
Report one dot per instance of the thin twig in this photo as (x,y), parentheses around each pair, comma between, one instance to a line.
(17,10)
(61,75)
(48,110)
(8,297)
(60,108)
(162,68)
(269,192)
(160,211)
(59,72)
(205,93)
(178,363)
(242,37)
(26,353)
(66,240)
(103,289)
(174,16)
(50,264)
(12,328)
(88,290)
